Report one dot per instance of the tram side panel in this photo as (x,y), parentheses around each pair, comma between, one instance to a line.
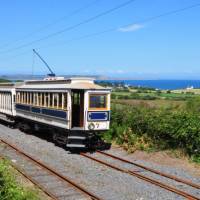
(7,106)
(50,108)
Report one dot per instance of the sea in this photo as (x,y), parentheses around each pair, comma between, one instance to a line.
(160,84)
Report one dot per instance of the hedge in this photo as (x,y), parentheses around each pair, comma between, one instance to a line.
(141,127)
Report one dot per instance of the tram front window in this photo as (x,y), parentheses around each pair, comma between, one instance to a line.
(98,101)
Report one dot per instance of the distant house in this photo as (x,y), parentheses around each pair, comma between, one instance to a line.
(190,88)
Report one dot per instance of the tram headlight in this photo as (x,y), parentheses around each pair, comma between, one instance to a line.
(91,126)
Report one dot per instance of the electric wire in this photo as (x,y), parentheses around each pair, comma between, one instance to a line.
(75,12)
(72,27)
(172,12)
(113,29)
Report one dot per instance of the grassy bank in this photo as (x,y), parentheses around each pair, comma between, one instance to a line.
(158,128)
(9,188)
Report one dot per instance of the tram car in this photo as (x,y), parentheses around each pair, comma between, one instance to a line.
(73,111)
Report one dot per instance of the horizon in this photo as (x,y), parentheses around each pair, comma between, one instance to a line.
(97,77)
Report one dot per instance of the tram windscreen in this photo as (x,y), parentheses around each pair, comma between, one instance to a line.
(98,101)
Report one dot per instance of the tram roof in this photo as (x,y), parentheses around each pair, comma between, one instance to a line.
(61,83)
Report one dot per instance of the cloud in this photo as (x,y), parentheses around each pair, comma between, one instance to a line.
(131,28)
(120,71)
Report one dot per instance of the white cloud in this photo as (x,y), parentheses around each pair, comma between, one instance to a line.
(120,71)
(131,28)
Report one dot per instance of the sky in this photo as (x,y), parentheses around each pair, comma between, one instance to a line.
(135,47)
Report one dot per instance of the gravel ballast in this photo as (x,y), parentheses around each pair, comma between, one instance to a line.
(105,182)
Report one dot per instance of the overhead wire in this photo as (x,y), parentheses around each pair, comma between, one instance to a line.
(53,23)
(172,12)
(72,27)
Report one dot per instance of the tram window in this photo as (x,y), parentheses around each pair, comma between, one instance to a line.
(24,97)
(65,101)
(55,100)
(51,100)
(35,99)
(97,101)
(27,97)
(31,98)
(14,98)
(76,99)
(39,100)
(21,97)
(46,99)
(42,99)
(60,100)
(18,97)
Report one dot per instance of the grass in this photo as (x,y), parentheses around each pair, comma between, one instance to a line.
(158,103)
(195,91)
(4,80)
(151,95)
(9,188)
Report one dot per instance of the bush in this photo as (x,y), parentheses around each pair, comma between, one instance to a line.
(193,105)
(146,128)
(168,91)
(9,189)
(113,96)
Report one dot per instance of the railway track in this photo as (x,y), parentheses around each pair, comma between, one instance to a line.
(50,181)
(189,183)
(43,176)
(148,179)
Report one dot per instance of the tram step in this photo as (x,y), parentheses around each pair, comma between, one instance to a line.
(76,145)
(77,137)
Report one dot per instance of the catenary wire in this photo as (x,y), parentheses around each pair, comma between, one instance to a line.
(113,29)
(75,12)
(172,12)
(71,27)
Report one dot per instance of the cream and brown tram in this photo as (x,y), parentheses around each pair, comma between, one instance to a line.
(72,110)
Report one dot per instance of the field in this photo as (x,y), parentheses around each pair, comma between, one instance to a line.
(145,94)
(158,103)
(156,120)
(194,91)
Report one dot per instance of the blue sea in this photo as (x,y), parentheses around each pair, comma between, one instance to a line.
(160,84)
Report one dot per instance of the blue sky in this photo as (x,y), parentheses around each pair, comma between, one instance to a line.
(165,48)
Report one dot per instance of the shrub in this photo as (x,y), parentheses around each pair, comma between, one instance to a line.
(146,128)
(168,91)
(193,105)
(9,189)
(113,96)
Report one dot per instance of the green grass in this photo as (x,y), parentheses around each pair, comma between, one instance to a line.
(4,80)
(9,188)
(150,95)
(158,103)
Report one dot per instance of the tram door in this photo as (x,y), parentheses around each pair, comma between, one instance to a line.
(77,108)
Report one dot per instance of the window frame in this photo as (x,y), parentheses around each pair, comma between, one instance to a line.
(98,94)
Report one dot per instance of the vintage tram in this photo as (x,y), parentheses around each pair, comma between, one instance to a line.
(73,111)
